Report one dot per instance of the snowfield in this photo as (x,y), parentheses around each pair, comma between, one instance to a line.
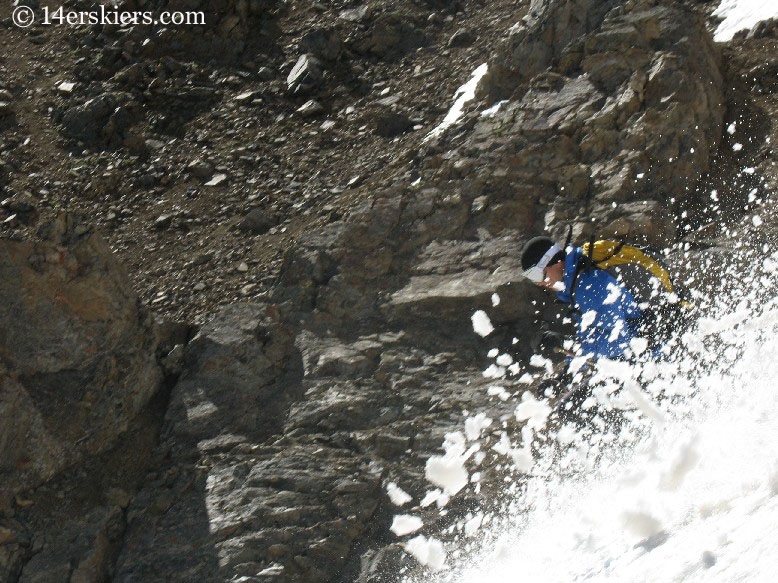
(740,15)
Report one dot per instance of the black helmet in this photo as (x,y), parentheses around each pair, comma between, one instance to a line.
(539,253)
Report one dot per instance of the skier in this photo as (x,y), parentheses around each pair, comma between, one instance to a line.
(608,315)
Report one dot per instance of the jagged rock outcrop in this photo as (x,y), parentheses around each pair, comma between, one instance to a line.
(77,353)
(250,503)
(610,136)
(261,482)
(613,113)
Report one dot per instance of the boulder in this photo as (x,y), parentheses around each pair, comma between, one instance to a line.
(304,76)
(621,104)
(390,36)
(234,498)
(77,352)
(243,360)
(324,44)
(81,551)
(101,120)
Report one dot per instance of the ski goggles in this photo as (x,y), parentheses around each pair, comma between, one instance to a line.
(537,273)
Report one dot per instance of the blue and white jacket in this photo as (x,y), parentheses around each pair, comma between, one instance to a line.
(605,313)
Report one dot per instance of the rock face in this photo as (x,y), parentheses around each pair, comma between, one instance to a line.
(613,113)
(77,355)
(250,504)
(261,482)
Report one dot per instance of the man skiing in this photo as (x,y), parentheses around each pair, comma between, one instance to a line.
(611,320)
(606,315)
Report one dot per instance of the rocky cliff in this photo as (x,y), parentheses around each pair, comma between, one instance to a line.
(260,443)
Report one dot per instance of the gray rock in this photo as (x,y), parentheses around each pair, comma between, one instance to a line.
(7,108)
(391,35)
(382,565)
(163,221)
(305,75)
(78,353)
(310,108)
(83,550)
(89,122)
(322,43)
(248,97)
(19,203)
(16,544)
(355,14)
(241,361)
(265,74)
(257,222)
(461,38)
(200,169)
(389,124)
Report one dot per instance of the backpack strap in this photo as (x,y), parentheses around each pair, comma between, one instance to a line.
(616,250)
(569,238)
(591,247)
(584,263)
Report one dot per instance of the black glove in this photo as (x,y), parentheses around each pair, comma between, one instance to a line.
(555,386)
(548,344)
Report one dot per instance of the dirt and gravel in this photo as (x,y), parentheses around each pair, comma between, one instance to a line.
(215,171)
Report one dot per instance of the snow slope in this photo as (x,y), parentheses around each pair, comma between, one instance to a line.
(742,15)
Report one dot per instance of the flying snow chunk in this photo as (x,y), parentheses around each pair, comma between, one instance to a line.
(522,459)
(493,372)
(475,425)
(447,472)
(495,300)
(638,345)
(756,220)
(499,392)
(614,293)
(588,318)
(533,411)
(772,481)
(481,324)
(538,361)
(641,524)
(503,447)
(566,435)
(403,524)
(428,552)
(436,497)
(397,495)
(473,524)
(686,460)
